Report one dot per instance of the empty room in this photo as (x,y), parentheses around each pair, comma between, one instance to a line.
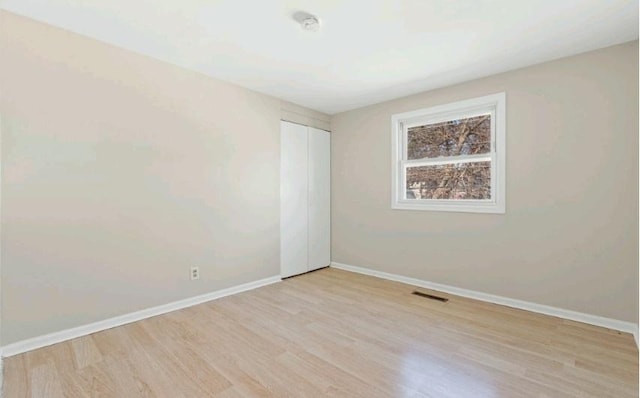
(294,198)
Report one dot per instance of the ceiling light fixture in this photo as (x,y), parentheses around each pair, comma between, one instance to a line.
(310,23)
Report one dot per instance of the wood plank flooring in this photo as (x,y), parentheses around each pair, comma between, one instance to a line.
(338,334)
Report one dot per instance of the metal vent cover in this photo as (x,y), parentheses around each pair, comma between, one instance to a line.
(430,296)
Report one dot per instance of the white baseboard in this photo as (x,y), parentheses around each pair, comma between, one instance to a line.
(64,335)
(614,324)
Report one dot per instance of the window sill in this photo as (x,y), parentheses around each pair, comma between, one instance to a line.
(473,207)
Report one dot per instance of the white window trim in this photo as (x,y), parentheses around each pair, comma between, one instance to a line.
(496,104)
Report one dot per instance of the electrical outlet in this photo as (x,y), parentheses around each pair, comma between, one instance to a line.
(195,273)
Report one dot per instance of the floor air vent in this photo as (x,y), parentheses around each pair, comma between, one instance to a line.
(429,296)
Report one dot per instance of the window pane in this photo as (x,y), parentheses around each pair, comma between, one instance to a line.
(451,138)
(460,181)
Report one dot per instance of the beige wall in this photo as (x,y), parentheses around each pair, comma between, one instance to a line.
(569,238)
(119,173)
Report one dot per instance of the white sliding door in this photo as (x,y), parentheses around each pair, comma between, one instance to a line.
(319,199)
(294,199)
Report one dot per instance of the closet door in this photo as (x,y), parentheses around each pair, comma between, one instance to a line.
(319,199)
(294,199)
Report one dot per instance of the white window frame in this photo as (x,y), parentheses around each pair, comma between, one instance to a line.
(495,104)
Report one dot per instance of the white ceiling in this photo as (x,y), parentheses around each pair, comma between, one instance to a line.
(367,51)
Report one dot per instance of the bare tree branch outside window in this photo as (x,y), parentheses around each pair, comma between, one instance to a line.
(460,181)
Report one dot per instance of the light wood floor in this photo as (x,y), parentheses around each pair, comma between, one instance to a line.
(335,333)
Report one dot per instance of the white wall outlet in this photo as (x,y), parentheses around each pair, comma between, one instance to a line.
(195,273)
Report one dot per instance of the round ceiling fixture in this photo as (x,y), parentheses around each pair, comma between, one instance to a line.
(310,23)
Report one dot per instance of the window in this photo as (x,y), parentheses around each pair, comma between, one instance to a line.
(451,157)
